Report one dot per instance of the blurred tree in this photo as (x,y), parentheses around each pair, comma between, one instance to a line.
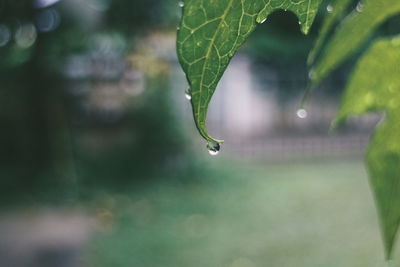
(46,101)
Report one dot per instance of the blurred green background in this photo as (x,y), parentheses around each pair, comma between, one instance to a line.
(101,165)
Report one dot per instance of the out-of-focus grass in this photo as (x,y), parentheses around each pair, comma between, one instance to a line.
(300,214)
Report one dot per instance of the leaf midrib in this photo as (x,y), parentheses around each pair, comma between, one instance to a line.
(209,51)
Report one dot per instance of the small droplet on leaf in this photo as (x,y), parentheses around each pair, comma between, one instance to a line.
(302,113)
(329,8)
(178,28)
(181,4)
(188,94)
(213,148)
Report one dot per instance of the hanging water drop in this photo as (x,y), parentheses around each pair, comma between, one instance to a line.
(181,4)
(302,113)
(285,9)
(329,8)
(188,94)
(178,28)
(213,148)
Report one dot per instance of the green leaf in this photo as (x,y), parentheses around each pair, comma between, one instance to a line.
(375,87)
(211,31)
(354,30)
(336,10)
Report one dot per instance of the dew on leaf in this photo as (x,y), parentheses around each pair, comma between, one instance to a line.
(329,8)
(188,95)
(181,4)
(262,21)
(213,148)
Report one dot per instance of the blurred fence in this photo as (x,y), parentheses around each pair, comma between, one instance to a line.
(307,147)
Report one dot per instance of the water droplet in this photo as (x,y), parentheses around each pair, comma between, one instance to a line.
(285,9)
(178,28)
(329,8)
(302,113)
(192,31)
(359,7)
(299,22)
(262,21)
(213,148)
(181,4)
(188,94)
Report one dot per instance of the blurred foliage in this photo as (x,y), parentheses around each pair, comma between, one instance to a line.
(375,87)
(355,30)
(55,138)
(132,17)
